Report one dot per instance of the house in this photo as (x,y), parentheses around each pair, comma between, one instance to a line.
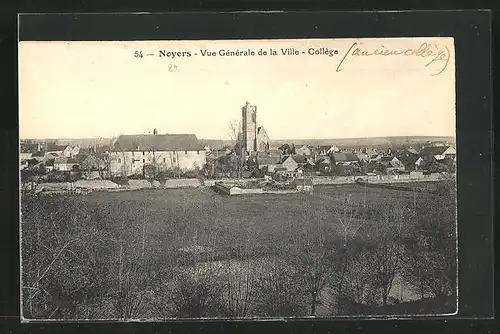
(268,162)
(49,165)
(297,163)
(375,157)
(65,164)
(419,163)
(212,145)
(71,151)
(326,150)
(323,164)
(362,156)
(289,163)
(306,164)
(31,162)
(91,162)
(24,164)
(409,161)
(392,164)
(408,157)
(168,151)
(25,155)
(411,150)
(39,156)
(51,155)
(303,150)
(58,149)
(439,152)
(345,158)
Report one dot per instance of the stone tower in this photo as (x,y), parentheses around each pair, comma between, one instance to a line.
(249,127)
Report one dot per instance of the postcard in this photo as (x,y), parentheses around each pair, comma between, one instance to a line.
(238,179)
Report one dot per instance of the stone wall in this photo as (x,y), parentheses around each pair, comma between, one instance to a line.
(182,183)
(129,185)
(95,184)
(319,180)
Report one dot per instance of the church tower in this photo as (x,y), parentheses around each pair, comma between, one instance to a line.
(249,127)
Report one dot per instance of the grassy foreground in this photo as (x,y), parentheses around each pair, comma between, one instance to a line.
(114,254)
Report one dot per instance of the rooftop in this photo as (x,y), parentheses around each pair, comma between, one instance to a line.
(433,150)
(166,142)
(340,157)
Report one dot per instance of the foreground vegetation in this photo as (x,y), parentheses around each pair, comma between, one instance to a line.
(190,253)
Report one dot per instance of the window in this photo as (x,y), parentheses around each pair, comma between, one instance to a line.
(186,152)
(197,152)
(143,160)
(142,152)
(164,160)
(119,160)
(173,159)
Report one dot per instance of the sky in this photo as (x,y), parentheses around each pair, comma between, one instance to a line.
(99,89)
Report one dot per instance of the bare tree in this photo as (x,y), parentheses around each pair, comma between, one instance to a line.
(234,130)
(386,247)
(431,252)
(133,275)
(351,218)
(195,292)
(59,270)
(314,269)
(239,283)
(130,297)
(278,291)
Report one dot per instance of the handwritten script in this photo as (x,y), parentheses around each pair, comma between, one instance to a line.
(434,55)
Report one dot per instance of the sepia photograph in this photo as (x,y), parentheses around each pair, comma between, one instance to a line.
(237,179)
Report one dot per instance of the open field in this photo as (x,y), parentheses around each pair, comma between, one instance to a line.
(175,217)
(143,237)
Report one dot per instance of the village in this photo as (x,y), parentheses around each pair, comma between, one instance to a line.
(63,162)
(251,155)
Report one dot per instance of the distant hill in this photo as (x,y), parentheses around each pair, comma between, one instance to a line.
(82,142)
(375,142)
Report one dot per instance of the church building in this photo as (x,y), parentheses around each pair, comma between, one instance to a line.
(254,139)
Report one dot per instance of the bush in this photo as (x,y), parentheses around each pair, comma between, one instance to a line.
(58,176)
(191,174)
(196,293)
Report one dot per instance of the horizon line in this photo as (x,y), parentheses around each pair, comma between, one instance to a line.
(228,139)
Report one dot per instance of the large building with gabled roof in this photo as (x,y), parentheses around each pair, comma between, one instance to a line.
(131,153)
